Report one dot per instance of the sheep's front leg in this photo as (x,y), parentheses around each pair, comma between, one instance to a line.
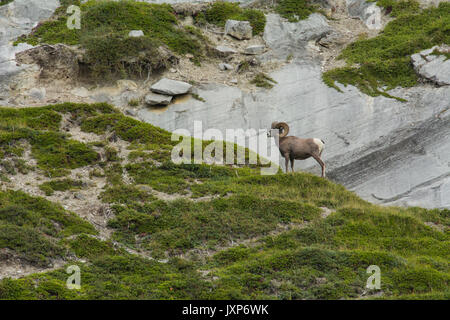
(286,159)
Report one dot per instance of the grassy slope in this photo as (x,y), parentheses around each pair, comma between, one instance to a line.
(287,250)
(382,63)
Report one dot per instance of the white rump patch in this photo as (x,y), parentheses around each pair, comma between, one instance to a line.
(319,144)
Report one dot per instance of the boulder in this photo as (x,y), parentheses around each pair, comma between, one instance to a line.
(333,39)
(225,66)
(256,49)
(291,38)
(433,67)
(171,87)
(224,51)
(238,29)
(156,99)
(368,12)
(136,33)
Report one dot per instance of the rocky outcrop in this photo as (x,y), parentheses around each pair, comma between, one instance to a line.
(136,33)
(433,65)
(290,39)
(171,87)
(55,61)
(368,12)
(157,99)
(17,18)
(255,49)
(238,29)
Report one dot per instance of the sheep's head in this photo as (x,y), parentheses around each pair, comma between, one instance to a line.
(279,128)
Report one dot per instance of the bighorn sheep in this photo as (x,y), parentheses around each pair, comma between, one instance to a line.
(294,148)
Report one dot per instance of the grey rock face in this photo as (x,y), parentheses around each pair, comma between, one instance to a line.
(155,99)
(285,38)
(435,68)
(256,49)
(368,12)
(238,29)
(171,87)
(136,33)
(17,18)
(20,16)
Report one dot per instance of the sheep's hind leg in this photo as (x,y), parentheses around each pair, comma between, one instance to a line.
(322,164)
(286,157)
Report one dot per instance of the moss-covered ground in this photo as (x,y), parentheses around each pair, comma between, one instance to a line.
(382,63)
(215,232)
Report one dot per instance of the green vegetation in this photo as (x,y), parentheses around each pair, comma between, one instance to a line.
(398,7)
(241,235)
(197,97)
(294,10)
(262,80)
(31,226)
(134,103)
(382,63)
(221,11)
(328,259)
(180,225)
(3,2)
(114,277)
(436,52)
(39,127)
(104,34)
(60,185)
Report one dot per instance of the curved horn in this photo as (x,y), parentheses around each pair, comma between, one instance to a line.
(281,125)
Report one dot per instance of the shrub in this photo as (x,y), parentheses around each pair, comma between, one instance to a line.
(221,11)
(294,10)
